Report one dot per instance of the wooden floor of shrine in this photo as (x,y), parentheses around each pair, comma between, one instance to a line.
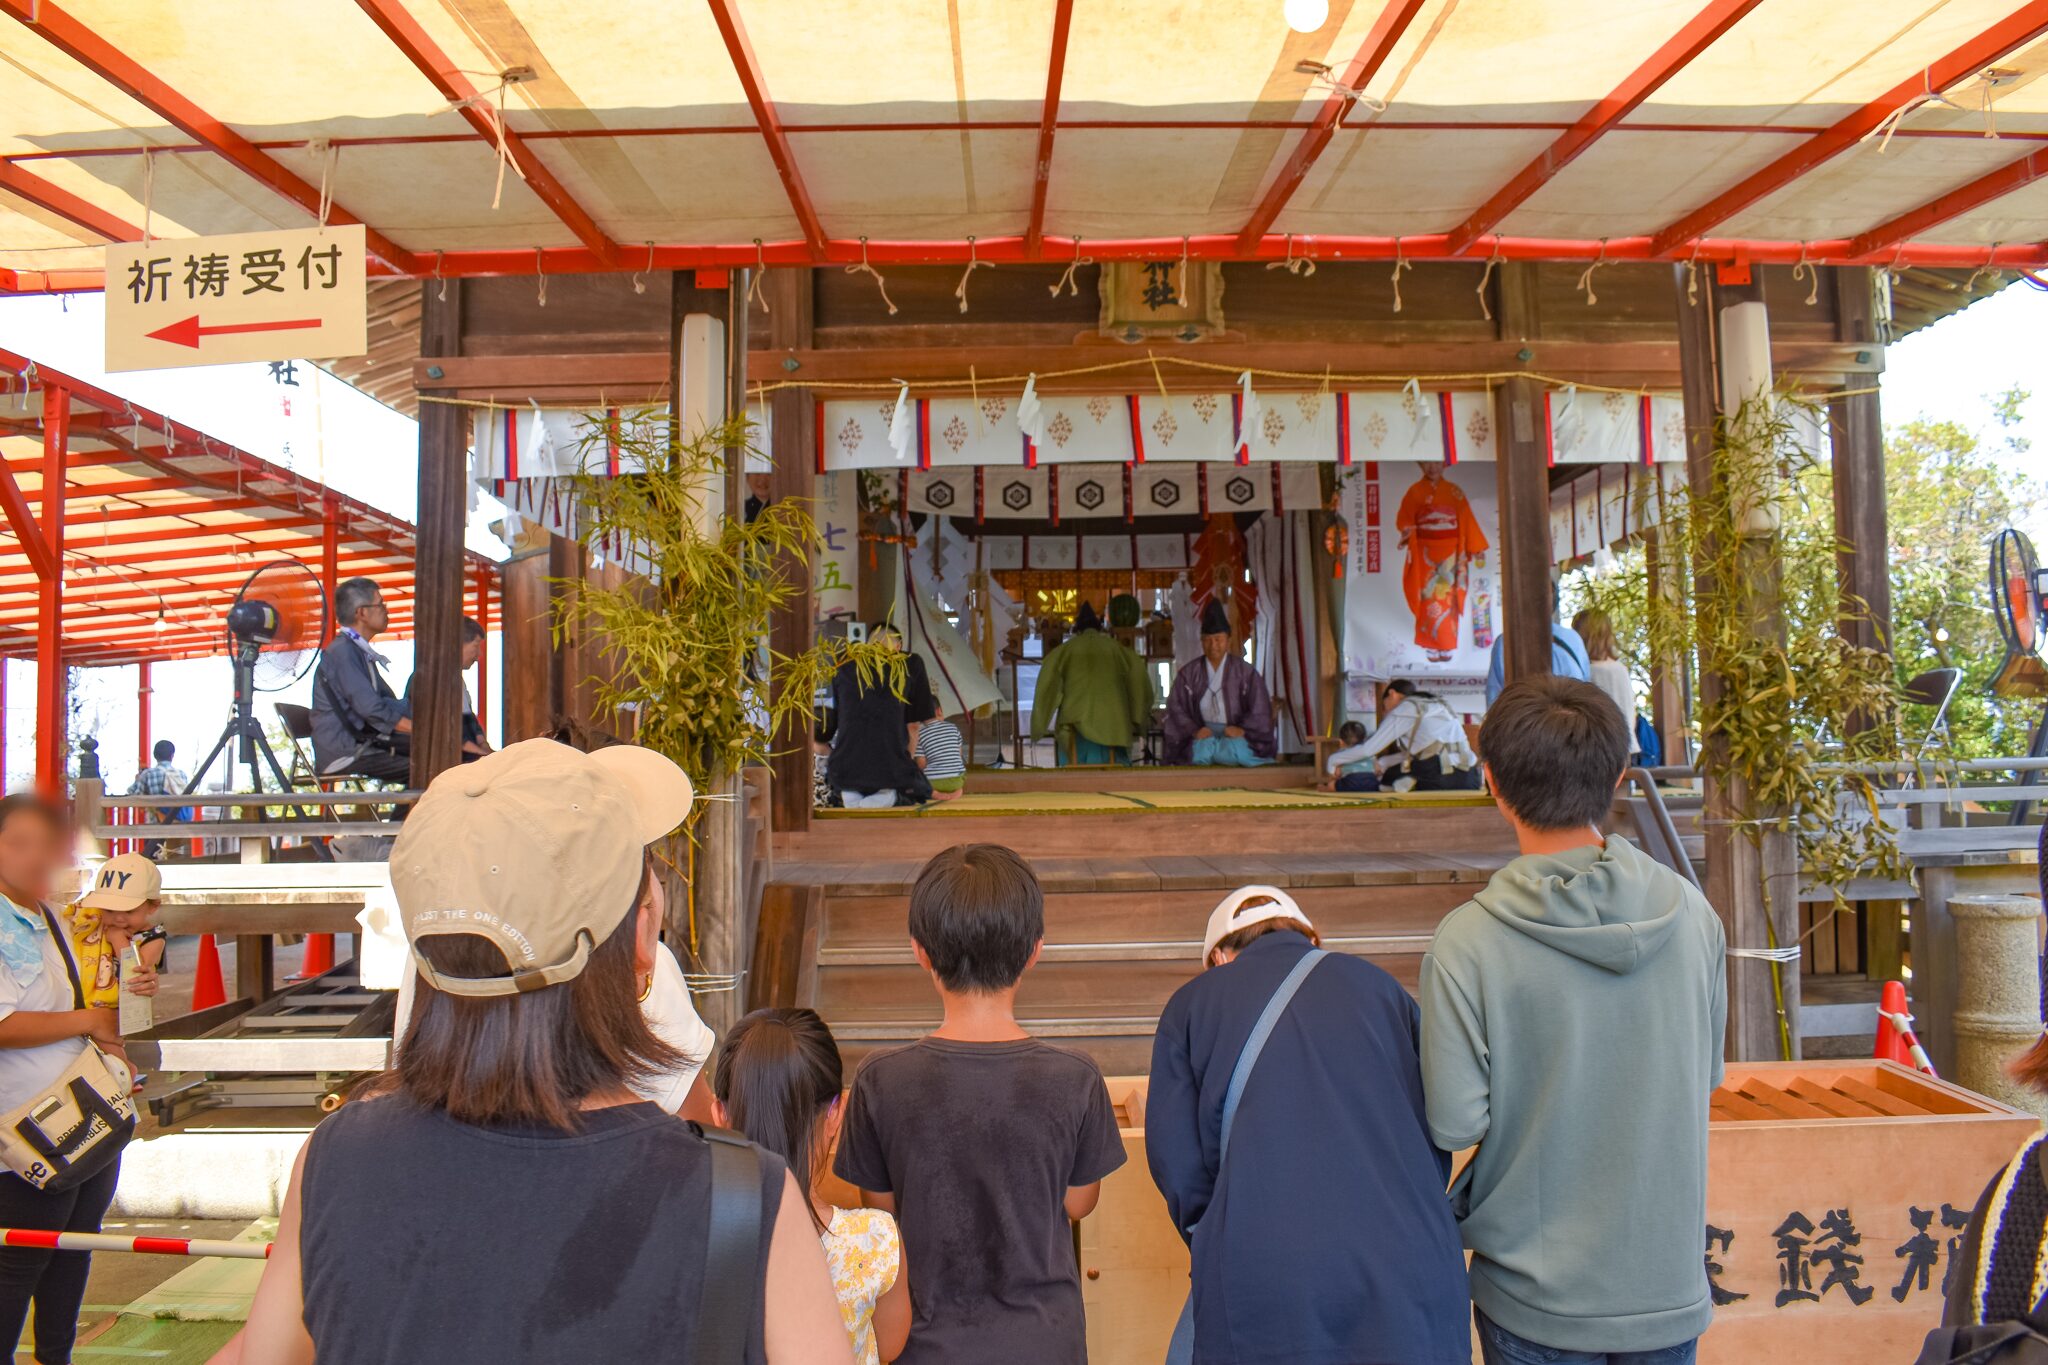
(1132,860)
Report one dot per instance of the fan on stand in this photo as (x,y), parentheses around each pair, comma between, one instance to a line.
(275,628)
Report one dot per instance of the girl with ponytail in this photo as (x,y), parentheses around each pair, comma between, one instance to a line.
(780,1082)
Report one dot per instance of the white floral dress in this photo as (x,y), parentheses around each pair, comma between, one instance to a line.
(865,1254)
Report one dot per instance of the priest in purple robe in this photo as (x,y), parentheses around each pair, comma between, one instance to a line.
(1219,712)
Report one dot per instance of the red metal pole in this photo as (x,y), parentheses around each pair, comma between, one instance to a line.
(50,725)
(143,757)
(330,556)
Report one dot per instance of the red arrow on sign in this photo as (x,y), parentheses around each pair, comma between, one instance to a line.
(189,332)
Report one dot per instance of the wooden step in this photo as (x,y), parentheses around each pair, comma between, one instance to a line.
(1215,870)
(1439,822)
(1142,778)
(1079,988)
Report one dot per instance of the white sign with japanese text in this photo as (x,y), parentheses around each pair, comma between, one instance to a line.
(246,296)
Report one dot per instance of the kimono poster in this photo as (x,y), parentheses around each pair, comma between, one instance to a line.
(1421,572)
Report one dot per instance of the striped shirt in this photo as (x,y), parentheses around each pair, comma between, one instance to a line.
(938,744)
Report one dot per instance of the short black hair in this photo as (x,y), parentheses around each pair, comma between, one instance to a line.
(471,631)
(1352,732)
(163,751)
(1556,748)
(351,597)
(978,913)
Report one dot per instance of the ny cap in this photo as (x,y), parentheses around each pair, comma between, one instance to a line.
(539,848)
(1235,914)
(124,883)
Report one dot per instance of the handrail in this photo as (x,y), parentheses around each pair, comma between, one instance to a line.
(1644,780)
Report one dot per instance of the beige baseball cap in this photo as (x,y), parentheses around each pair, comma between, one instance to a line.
(124,883)
(1244,907)
(537,847)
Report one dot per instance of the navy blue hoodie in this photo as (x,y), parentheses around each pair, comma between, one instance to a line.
(1330,1239)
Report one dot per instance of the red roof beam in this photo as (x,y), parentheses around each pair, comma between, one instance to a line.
(2003,181)
(422,51)
(55,199)
(1372,54)
(1048,124)
(26,529)
(2017,29)
(1667,61)
(76,40)
(726,14)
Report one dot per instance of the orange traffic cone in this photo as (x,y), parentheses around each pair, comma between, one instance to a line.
(1891,1044)
(208,989)
(319,957)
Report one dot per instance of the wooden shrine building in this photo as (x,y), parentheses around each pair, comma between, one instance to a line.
(1083,281)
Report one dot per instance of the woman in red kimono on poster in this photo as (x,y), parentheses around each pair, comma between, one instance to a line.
(1441,535)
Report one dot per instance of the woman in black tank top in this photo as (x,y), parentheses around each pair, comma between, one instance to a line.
(504,1197)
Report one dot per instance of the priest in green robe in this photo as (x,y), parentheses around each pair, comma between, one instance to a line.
(1093,695)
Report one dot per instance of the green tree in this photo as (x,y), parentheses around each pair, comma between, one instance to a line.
(1950,490)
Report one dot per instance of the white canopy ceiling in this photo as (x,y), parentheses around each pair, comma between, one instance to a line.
(1659,126)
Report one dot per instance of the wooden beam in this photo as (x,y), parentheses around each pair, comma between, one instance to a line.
(725,13)
(1356,75)
(1048,125)
(1667,61)
(438,573)
(2022,26)
(1522,478)
(22,521)
(78,41)
(795,433)
(422,51)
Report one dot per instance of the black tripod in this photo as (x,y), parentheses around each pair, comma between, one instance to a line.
(242,726)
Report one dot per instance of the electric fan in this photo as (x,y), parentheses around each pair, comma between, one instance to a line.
(275,628)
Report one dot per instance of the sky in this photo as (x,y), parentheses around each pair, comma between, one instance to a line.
(1952,370)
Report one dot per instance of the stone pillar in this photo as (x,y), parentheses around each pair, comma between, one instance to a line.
(1998,997)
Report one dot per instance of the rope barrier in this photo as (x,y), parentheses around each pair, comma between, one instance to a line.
(1311,378)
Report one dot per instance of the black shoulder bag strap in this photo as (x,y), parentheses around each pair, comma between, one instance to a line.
(728,1301)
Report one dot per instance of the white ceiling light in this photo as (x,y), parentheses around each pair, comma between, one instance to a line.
(1305,16)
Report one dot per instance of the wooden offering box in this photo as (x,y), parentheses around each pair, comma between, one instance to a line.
(1836,1194)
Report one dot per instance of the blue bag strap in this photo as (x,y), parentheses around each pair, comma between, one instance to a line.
(1256,1043)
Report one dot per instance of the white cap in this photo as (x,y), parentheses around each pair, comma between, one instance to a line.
(1234,914)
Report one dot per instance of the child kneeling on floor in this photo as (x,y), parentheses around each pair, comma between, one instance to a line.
(942,757)
(984,1141)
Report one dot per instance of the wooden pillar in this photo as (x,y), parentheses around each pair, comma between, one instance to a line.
(795,454)
(1856,431)
(526,647)
(438,554)
(1522,476)
(1724,357)
(1669,711)
(50,717)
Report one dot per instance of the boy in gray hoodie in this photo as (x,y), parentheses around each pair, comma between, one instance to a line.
(1572,1022)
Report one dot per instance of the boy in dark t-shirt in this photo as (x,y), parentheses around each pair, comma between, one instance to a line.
(982,1140)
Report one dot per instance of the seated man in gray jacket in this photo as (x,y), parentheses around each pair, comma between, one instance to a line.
(1572,1022)
(360,726)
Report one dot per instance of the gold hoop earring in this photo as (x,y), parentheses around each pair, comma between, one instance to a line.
(647,988)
